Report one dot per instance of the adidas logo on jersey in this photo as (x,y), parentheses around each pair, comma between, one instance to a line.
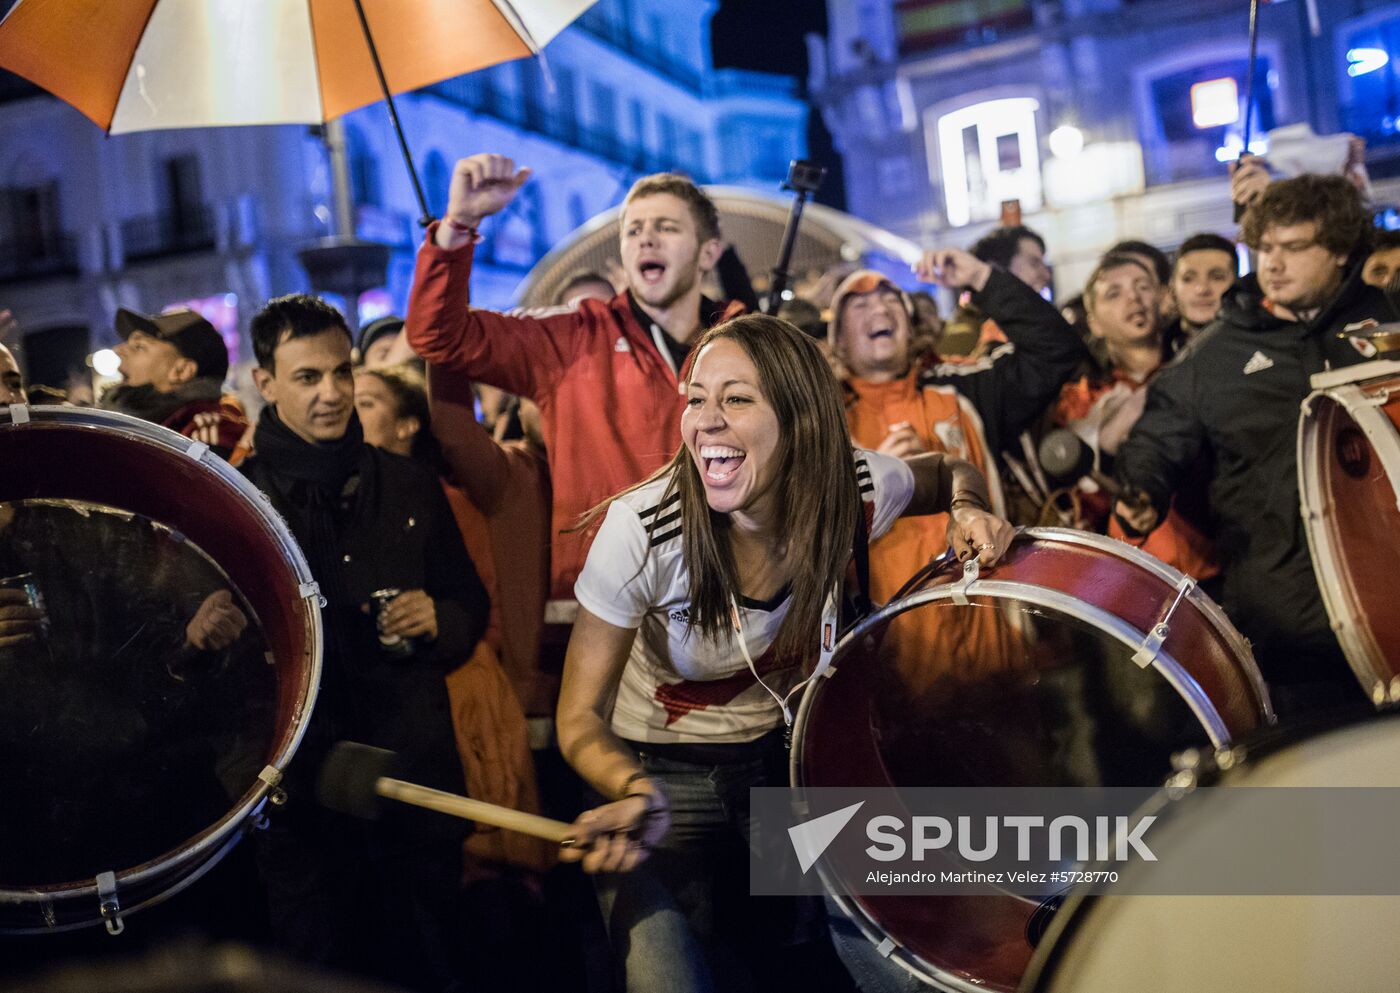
(1258,362)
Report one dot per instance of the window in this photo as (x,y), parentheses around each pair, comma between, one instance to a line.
(668,138)
(604,100)
(1370,81)
(578,210)
(184,190)
(364,168)
(1192,104)
(437,182)
(989,154)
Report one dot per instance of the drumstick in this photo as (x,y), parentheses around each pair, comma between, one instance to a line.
(354,777)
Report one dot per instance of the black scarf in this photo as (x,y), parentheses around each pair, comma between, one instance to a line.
(149,404)
(311,480)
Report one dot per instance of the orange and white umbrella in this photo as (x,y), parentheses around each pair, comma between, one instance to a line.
(141,65)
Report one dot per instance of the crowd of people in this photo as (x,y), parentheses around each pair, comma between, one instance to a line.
(699,478)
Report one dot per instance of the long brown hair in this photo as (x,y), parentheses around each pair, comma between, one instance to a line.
(817,494)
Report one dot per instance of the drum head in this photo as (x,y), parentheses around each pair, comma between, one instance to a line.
(1349,477)
(1244,944)
(1036,674)
(146,716)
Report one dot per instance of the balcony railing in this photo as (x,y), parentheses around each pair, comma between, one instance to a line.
(620,36)
(479,95)
(162,235)
(37,259)
(747,83)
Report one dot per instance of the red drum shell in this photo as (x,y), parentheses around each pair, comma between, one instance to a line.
(1349,479)
(110,459)
(978,942)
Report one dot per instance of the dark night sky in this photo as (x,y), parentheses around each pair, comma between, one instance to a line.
(768,35)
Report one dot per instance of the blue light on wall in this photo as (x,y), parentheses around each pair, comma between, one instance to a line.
(1360,61)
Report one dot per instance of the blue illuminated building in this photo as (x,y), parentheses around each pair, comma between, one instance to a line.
(1095,119)
(89,223)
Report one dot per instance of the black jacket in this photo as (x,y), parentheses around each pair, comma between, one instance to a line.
(1235,394)
(1012,387)
(394,529)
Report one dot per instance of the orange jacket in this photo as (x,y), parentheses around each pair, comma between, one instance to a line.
(928,643)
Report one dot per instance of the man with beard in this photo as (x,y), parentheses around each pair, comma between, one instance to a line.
(1234,395)
(173,367)
(374,526)
(605,373)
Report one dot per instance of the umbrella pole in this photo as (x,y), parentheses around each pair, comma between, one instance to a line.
(426,218)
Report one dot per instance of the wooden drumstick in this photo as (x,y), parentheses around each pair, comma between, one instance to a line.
(474,810)
(353,778)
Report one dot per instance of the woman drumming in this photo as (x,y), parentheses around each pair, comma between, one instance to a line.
(705,594)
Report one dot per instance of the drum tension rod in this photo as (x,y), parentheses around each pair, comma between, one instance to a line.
(108,903)
(970,575)
(1151,646)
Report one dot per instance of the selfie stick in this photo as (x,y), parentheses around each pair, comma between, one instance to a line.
(804,178)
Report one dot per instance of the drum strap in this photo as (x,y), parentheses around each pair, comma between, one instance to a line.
(861,598)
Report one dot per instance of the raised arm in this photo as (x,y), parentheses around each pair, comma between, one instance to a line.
(1014,387)
(525,352)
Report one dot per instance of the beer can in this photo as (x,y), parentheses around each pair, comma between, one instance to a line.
(24,582)
(391,644)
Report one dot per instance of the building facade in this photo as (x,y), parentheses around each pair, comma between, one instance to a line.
(216,217)
(1094,120)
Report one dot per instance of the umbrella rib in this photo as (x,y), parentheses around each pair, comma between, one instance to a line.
(315,60)
(426,218)
(140,36)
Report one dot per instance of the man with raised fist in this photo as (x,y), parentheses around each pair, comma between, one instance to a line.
(605,373)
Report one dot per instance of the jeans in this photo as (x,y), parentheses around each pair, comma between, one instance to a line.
(683,921)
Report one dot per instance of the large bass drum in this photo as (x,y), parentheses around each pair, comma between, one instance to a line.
(1349,479)
(1082,662)
(139,742)
(1135,940)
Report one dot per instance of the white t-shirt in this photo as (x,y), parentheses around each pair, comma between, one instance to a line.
(678,685)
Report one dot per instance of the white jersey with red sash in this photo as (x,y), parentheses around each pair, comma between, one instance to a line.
(677,685)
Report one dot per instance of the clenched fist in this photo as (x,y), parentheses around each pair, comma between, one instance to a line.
(482,185)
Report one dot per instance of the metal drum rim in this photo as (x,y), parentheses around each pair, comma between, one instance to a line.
(221,834)
(1165,664)
(1361,652)
(1069,919)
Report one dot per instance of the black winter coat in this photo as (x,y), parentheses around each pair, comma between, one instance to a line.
(1235,392)
(394,529)
(1014,385)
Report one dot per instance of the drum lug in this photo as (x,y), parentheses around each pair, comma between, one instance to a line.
(19,413)
(959,590)
(108,903)
(273,777)
(309,591)
(197,451)
(1151,646)
(1185,765)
